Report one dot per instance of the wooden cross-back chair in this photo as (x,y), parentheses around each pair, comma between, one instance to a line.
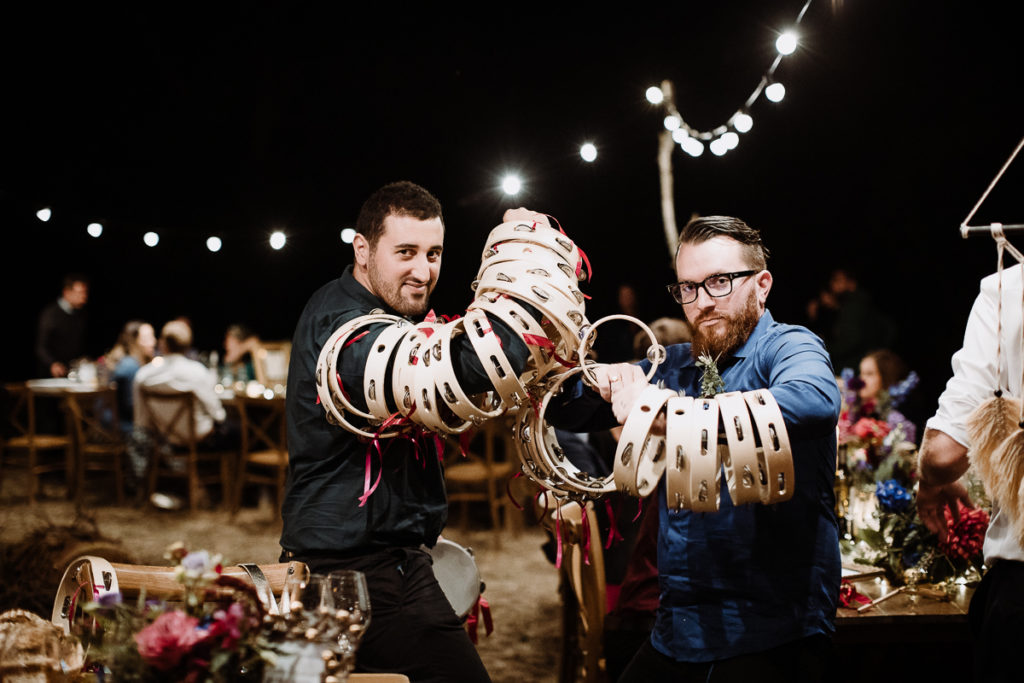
(99,443)
(584,588)
(263,457)
(481,475)
(175,448)
(23,446)
(270,362)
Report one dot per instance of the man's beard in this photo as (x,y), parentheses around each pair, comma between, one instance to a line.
(719,344)
(391,293)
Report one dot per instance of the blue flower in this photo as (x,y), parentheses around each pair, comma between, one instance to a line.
(898,392)
(892,497)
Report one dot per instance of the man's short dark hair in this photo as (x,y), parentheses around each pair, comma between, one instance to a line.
(71,279)
(705,228)
(402,198)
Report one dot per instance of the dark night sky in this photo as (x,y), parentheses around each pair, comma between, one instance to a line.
(233,122)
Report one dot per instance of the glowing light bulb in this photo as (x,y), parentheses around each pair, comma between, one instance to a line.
(775,92)
(511,184)
(655,95)
(347,235)
(672,122)
(731,139)
(94,229)
(44,214)
(588,151)
(786,43)
(692,146)
(680,134)
(718,147)
(151,239)
(214,243)
(742,122)
(277,240)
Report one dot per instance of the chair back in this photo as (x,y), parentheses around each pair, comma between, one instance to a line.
(99,443)
(169,416)
(270,362)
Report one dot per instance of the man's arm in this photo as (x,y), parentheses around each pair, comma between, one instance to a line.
(941,463)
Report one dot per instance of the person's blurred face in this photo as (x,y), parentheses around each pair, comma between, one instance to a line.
(403,267)
(77,294)
(872,379)
(147,341)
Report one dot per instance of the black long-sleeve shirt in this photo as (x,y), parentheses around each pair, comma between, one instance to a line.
(328,465)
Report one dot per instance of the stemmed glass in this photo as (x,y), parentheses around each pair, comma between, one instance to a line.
(351,602)
(309,628)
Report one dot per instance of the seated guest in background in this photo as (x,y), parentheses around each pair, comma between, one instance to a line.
(172,371)
(240,344)
(136,346)
(879,370)
(60,337)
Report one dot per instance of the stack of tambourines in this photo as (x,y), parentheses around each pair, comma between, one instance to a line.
(739,433)
(528,269)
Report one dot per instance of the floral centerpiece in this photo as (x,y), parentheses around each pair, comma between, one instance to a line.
(874,436)
(909,552)
(216,633)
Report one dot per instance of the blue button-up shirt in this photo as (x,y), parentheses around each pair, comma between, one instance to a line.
(751,577)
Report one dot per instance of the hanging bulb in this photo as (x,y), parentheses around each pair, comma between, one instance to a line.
(775,92)
(672,122)
(731,139)
(786,43)
(655,95)
(692,146)
(742,122)
(718,147)
(680,134)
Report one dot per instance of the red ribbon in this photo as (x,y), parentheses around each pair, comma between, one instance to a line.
(481,607)
(545,343)
(613,528)
(848,595)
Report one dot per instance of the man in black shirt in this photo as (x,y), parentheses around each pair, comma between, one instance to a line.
(61,333)
(351,503)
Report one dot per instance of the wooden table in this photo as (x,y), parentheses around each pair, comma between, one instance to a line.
(911,636)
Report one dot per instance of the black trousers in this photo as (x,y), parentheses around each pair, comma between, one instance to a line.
(413,628)
(801,661)
(996,616)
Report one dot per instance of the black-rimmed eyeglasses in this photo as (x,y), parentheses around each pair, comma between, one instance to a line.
(717,285)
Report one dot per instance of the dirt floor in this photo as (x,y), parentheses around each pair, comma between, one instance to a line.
(521,584)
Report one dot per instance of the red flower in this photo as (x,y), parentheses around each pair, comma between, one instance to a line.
(965,537)
(170,637)
(870,429)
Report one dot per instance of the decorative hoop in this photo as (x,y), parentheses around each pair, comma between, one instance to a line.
(655,352)
(516,317)
(677,424)
(375,377)
(527,252)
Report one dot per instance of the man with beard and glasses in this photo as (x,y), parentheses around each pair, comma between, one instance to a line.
(332,518)
(748,592)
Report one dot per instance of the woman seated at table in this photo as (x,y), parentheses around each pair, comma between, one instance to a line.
(240,345)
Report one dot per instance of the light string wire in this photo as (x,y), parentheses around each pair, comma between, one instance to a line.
(723,128)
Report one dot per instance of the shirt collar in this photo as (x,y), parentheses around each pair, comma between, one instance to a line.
(65,305)
(361,294)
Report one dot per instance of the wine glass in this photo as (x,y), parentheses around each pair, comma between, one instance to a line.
(350,599)
(309,629)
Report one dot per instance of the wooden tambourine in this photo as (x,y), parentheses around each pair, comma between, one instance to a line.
(691,434)
(775,456)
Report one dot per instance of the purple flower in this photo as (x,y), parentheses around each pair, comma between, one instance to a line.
(898,392)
